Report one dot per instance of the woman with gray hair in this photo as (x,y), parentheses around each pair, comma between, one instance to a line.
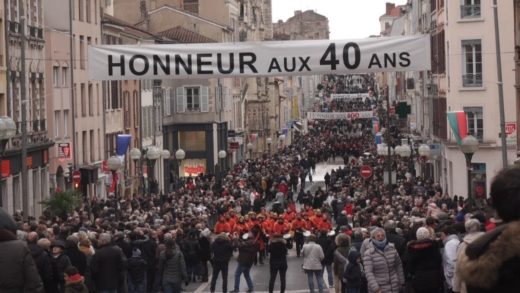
(473,231)
(383,267)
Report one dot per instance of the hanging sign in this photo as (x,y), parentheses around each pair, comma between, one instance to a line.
(339,115)
(308,57)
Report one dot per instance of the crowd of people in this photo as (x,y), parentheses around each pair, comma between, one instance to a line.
(363,235)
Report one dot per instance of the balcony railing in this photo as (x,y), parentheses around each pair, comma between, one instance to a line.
(472,80)
(470,11)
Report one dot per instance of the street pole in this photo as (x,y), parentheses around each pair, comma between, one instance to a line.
(468,171)
(500,88)
(388,141)
(23,92)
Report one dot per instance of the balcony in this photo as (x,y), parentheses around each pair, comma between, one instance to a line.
(470,11)
(472,80)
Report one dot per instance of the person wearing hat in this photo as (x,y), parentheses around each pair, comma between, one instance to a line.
(247,250)
(74,281)
(298,225)
(277,261)
(425,263)
(18,272)
(136,272)
(59,262)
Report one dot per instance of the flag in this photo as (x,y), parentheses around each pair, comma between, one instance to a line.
(459,125)
(122,143)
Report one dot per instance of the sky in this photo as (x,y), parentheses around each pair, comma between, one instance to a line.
(348,19)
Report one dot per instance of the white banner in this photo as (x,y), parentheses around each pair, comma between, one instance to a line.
(339,115)
(314,57)
(349,96)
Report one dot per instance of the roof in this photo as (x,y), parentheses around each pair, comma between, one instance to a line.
(183,35)
(187,13)
(129,28)
(307,13)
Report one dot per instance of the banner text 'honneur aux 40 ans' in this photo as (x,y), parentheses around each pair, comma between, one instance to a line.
(312,57)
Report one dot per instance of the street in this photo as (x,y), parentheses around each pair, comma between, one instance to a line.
(296,278)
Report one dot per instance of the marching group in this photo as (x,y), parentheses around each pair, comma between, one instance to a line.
(364,235)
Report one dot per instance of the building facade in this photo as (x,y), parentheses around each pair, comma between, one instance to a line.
(25,169)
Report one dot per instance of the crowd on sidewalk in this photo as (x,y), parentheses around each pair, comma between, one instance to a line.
(363,235)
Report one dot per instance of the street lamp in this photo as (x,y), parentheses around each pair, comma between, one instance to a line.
(114,163)
(269,141)
(250,149)
(469,146)
(152,154)
(405,151)
(135,155)
(222,154)
(7,131)
(180,154)
(386,151)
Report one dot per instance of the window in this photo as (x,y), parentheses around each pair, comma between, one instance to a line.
(92,147)
(136,108)
(472,59)
(87,10)
(83,101)
(80,10)
(90,101)
(192,98)
(191,6)
(84,144)
(470,9)
(64,76)
(55,76)
(81,52)
(65,123)
(126,103)
(168,96)
(56,123)
(475,122)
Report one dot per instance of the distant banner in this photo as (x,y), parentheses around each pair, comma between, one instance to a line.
(349,96)
(339,115)
(309,57)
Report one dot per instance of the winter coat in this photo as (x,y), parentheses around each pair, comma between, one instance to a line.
(77,258)
(108,266)
(172,267)
(247,253)
(205,254)
(353,275)
(398,241)
(191,249)
(43,264)
(425,264)
(449,258)
(136,270)
(59,264)
(328,247)
(383,269)
(221,249)
(492,262)
(277,251)
(458,285)
(312,256)
(341,254)
(18,272)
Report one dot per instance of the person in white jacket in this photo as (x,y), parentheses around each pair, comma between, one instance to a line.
(449,254)
(312,256)
(473,231)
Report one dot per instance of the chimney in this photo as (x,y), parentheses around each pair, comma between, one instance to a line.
(389,7)
(297,12)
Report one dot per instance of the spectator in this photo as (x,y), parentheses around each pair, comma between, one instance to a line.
(108,265)
(247,250)
(19,272)
(449,254)
(136,272)
(312,257)
(492,262)
(74,281)
(222,251)
(425,263)
(277,262)
(340,260)
(42,260)
(473,231)
(353,277)
(383,267)
(59,262)
(172,268)
(328,246)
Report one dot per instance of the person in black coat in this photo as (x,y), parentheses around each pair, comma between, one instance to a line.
(205,254)
(221,250)
(192,254)
(59,262)
(353,278)
(247,251)
(328,246)
(277,262)
(425,263)
(136,273)
(42,261)
(108,265)
(77,258)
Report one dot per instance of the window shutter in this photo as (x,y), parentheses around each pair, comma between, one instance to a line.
(181,105)
(167,102)
(204,99)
